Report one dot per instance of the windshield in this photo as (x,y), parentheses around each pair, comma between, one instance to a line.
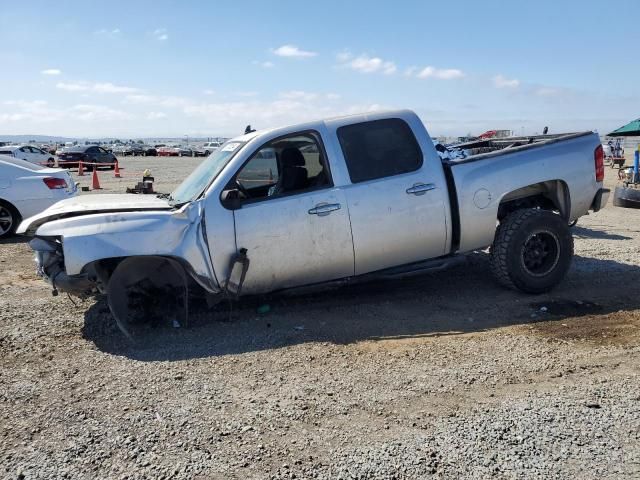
(204,174)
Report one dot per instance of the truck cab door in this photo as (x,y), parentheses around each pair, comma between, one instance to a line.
(292,221)
(397,198)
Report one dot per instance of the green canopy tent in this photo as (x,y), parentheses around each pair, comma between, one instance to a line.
(631,129)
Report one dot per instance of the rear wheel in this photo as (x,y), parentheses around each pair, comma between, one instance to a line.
(532,251)
(9,219)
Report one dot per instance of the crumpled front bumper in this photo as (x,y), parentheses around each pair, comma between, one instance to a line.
(50,266)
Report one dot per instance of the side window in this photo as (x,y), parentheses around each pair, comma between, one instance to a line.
(378,149)
(261,171)
(25,150)
(282,167)
(93,150)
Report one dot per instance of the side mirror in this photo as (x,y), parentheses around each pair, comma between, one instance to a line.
(231,199)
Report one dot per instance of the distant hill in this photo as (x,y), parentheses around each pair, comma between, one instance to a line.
(37,138)
(54,139)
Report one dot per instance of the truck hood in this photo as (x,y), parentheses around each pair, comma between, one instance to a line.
(88,204)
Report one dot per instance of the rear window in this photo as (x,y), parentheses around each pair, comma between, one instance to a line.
(378,149)
(21,163)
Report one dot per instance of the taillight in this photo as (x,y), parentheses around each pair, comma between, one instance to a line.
(598,157)
(55,183)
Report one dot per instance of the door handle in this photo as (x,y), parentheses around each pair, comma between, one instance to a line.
(420,188)
(323,209)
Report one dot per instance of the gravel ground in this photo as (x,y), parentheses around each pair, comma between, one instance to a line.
(441,376)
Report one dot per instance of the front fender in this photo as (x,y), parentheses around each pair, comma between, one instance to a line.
(89,238)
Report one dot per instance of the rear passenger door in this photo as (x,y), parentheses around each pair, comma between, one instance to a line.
(396,205)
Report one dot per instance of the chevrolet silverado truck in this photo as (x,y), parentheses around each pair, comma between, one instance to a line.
(327,202)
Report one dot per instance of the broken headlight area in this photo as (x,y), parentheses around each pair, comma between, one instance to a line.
(49,260)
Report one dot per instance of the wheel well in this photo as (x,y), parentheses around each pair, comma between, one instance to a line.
(11,206)
(100,271)
(551,195)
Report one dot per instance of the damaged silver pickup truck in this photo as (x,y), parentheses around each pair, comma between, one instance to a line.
(331,201)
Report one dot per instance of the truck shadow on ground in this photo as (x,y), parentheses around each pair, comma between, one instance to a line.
(584,232)
(457,301)
(15,239)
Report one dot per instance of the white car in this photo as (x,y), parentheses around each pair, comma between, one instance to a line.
(27,189)
(210,147)
(30,154)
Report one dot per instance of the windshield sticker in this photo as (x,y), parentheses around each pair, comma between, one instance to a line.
(230,147)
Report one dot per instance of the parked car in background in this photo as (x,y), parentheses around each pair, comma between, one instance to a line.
(30,154)
(150,151)
(165,151)
(175,151)
(206,149)
(27,189)
(89,155)
(183,151)
(211,147)
(199,151)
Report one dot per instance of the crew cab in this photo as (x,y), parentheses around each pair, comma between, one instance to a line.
(332,201)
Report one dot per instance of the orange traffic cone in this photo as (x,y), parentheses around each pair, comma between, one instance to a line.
(94,180)
(80,169)
(116,172)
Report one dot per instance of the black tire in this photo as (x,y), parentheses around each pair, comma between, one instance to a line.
(9,219)
(532,251)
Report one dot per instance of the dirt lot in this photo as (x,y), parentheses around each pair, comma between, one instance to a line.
(441,376)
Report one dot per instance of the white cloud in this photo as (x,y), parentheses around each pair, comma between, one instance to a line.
(499,81)
(344,56)
(440,73)
(298,95)
(547,92)
(99,87)
(365,64)
(247,94)
(292,51)
(111,33)
(307,96)
(51,71)
(161,100)
(156,115)
(98,112)
(209,92)
(160,34)
(409,72)
(266,64)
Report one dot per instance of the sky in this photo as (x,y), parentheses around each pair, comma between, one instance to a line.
(166,68)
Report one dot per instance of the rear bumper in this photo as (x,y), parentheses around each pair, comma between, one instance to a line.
(600,200)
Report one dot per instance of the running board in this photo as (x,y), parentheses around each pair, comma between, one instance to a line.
(408,270)
(418,268)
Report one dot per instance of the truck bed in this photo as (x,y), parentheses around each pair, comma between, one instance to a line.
(482,149)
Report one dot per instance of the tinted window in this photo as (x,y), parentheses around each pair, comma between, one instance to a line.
(380,148)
